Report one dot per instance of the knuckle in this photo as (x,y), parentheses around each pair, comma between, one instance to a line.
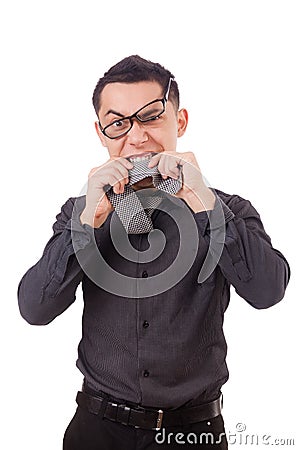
(92,171)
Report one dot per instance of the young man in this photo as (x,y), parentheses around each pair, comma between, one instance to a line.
(156,251)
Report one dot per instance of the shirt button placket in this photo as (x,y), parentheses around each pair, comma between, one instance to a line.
(145,325)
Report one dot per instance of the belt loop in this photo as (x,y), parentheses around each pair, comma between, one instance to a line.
(103,408)
(123,414)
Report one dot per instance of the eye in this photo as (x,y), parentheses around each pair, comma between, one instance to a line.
(150,115)
(151,112)
(118,124)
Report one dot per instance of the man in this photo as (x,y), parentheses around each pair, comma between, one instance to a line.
(156,251)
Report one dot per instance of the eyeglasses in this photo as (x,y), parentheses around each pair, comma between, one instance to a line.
(151,111)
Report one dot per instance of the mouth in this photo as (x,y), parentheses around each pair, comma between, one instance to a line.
(146,156)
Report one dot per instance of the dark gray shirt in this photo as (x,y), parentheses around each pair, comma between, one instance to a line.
(166,349)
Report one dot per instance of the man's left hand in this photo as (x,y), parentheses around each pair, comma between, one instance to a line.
(194,190)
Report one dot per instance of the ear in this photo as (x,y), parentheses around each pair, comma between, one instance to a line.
(100,135)
(182,121)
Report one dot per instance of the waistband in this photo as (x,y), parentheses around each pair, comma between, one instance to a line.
(147,418)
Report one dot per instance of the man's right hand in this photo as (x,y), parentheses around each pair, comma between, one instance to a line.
(115,173)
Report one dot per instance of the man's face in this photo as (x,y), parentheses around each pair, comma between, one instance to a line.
(124,99)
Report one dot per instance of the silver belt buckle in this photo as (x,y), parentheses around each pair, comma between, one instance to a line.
(159,420)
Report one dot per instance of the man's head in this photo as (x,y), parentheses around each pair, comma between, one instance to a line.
(128,87)
(132,70)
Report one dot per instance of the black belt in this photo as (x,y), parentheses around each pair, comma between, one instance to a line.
(149,419)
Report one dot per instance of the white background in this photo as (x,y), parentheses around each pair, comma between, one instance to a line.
(236,65)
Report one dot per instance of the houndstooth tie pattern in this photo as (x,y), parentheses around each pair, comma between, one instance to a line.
(134,208)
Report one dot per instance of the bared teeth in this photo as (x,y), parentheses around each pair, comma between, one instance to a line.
(139,158)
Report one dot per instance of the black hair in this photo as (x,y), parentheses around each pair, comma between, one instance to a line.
(133,69)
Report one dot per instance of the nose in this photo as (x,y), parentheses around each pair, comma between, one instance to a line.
(137,134)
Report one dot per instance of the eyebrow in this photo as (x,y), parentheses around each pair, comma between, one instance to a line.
(112,111)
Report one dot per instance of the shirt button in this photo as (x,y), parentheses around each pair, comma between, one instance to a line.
(145,324)
(146,373)
(145,274)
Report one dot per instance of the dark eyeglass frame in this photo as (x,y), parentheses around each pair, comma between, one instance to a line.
(135,115)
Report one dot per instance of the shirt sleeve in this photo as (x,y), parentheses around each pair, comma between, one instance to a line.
(48,288)
(258,272)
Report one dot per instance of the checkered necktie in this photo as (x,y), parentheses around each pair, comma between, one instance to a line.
(134,208)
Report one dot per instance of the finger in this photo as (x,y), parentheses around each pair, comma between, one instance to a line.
(123,165)
(123,183)
(128,164)
(162,167)
(121,186)
(123,168)
(171,167)
(116,180)
(117,188)
(117,166)
(154,160)
(119,174)
(165,166)
(123,161)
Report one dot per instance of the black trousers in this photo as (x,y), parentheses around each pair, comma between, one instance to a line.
(87,431)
